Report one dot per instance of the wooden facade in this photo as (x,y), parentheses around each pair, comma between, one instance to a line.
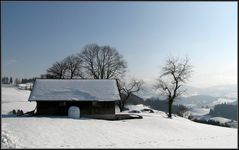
(86,107)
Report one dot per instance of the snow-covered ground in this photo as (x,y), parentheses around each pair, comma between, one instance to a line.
(155,130)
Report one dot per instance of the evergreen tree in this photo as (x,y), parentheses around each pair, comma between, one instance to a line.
(7,80)
(10,81)
(17,81)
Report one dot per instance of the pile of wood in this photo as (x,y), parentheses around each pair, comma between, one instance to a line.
(20,112)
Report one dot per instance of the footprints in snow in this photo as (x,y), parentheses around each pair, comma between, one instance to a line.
(108,145)
(65,146)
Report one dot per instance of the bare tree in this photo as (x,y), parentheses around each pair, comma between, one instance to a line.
(128,89)
(17,81)
(174,74)
(58,70)
(102,62)
(73,64)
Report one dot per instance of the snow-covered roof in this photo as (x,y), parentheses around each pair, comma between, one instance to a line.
(74,90)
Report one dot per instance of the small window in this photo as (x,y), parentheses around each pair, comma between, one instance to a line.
(62,104)
(96,104)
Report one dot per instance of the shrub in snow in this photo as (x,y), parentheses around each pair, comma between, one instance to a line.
(19,112)
(4,140)
(147,110)
(14,111)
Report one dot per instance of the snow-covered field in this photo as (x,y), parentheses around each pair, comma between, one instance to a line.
(155,130)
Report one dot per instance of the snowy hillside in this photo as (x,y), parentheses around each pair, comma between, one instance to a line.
(14,98)
(155,130)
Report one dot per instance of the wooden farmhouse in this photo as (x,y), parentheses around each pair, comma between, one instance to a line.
(92,97)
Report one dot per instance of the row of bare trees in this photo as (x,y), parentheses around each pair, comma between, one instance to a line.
(93,62)
(104,62)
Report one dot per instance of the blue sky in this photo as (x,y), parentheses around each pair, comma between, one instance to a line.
(36,34)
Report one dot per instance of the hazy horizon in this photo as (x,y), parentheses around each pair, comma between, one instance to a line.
(37,34)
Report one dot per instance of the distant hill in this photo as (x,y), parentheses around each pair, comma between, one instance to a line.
(134,99)
(234,103)
(196,101)
(224,110)
(223,91)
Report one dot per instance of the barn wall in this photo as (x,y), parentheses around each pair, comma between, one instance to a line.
(86,107)
(103,107)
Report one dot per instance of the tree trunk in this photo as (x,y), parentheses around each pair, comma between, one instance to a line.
(121,105)
(170,109)
(72,75)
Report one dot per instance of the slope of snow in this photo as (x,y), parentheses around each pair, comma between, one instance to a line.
(13,98)
(155,130)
